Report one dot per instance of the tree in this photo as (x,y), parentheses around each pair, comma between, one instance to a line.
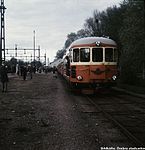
(133,42)
(70,38)
(60,53)
(82,33)
(105,23)
(90,26)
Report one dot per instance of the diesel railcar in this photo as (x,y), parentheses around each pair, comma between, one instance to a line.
(90,62)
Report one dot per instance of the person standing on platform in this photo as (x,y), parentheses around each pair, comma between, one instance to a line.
(30,70)
(4,78)
(24,72)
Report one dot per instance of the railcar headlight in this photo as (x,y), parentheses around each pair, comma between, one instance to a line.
(114,78)
(98,43)
(79,78)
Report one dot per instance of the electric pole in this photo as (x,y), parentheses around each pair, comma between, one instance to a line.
(34,45)
(2,33)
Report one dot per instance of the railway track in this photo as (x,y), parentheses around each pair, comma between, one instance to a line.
(128,115)
(125,112)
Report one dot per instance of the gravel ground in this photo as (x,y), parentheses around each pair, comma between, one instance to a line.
(43,114)
(40,114)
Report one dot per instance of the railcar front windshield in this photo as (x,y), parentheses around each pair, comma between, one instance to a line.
(97,54)
(110,55)
(81,55)
(76,54)
(84,54)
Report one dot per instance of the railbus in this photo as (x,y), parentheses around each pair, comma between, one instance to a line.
(90,62)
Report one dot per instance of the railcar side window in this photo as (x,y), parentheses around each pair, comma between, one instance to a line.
(84,54)
(115,55)
(97,54)
(76,55)
(109,54)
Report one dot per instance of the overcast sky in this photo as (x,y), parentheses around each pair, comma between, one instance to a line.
(52,20)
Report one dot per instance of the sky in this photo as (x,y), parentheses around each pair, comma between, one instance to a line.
(52,21)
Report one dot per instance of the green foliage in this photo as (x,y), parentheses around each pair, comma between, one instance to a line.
(132,37)
(90,26)
(60,53)
(70,38)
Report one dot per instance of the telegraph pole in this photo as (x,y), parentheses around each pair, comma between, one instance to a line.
(39,52)
(45,58)
(2,33)
(34,45)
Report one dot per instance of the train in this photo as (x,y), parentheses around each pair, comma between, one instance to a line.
(90,62)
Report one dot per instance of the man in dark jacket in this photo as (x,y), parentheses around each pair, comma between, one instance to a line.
(24,72)
(4,78)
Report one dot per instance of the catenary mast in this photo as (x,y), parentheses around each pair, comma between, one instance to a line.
(2,33)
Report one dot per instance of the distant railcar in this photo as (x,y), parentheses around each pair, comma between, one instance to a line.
(90,62)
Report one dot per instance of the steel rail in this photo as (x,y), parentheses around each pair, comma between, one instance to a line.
(125,131)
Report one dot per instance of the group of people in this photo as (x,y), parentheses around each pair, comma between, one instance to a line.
(23,71)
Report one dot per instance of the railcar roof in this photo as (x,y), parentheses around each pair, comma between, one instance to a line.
(92,40)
